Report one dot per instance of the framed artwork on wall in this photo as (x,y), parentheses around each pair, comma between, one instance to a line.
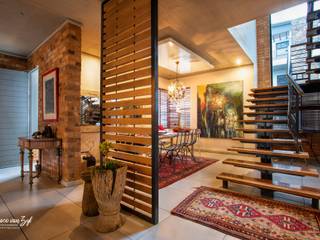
(220,107)
(50,95)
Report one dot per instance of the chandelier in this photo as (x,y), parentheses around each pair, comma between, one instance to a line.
(176,90)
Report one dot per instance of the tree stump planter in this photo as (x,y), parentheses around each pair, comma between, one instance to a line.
(89,203)
(108,196)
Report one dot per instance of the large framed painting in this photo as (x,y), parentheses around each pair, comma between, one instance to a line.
(220,107)
(50,95)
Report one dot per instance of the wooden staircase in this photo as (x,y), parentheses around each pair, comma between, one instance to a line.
(273,142)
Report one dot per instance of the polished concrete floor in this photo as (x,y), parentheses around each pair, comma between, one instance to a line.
(56,211)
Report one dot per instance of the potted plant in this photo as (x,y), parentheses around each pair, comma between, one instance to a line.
(89,203)
(108,182)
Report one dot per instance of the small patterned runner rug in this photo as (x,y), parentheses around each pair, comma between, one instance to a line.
(248,217)
(167,175)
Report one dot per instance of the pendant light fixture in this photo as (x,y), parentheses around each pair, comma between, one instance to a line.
(176,90)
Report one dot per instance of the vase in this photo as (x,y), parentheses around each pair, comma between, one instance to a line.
(108,187)
(89,203)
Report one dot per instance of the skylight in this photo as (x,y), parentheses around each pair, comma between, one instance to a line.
(289,14)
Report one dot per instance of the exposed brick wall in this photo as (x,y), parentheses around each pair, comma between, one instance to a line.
(63,51)
(14,63)
(263,51)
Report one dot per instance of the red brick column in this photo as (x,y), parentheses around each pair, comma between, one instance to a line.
(63,51)
(263,51)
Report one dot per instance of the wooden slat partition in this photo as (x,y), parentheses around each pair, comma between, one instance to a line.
(128,96)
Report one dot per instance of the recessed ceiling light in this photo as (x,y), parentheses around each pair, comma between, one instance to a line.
(238,61)
(170,51)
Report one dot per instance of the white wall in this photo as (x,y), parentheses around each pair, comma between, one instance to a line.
(245,74)
(163,83)
(246,36)
(33,100)
(90,75)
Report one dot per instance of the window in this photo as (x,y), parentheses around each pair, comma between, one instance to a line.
(282,49)
(186,109)
(282,80)
(288,32)
(168,115)
(163,107)
(278,37)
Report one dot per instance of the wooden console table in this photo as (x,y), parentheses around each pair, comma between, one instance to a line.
(40,144)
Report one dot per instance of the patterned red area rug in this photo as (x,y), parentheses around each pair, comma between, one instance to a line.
(167,175)
(249,217)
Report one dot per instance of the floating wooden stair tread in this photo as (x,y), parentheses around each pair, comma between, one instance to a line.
(268,89)
(268,184)
(313,15)
(311,107)
(280,113)
(288,169)
(313,32)
(313,59)
(262,130)
(268,99)
(275,121)
(257,94)
(272,153)
(279,105)
(266,140)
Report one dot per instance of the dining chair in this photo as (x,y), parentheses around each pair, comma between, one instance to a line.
(195,134)
(174,152)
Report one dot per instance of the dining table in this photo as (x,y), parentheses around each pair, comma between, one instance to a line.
(167,135)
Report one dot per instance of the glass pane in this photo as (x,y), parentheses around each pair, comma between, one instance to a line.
(288,37)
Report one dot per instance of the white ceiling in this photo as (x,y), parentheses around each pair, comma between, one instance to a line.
(24,24)
(202,26)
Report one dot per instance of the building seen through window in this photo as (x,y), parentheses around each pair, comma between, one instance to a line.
(288,38)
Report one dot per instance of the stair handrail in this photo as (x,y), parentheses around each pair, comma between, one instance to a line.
(295,94)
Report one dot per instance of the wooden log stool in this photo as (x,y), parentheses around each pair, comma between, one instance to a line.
(89,203)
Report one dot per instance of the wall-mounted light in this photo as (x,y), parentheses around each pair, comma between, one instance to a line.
(238,61)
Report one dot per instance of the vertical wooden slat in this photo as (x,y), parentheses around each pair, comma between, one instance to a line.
(129,97)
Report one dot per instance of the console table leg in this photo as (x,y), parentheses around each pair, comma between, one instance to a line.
(30,166)
(40,159)
(59,165)
(22,163)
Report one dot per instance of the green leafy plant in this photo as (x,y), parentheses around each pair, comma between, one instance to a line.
(105,148)
(106,164)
